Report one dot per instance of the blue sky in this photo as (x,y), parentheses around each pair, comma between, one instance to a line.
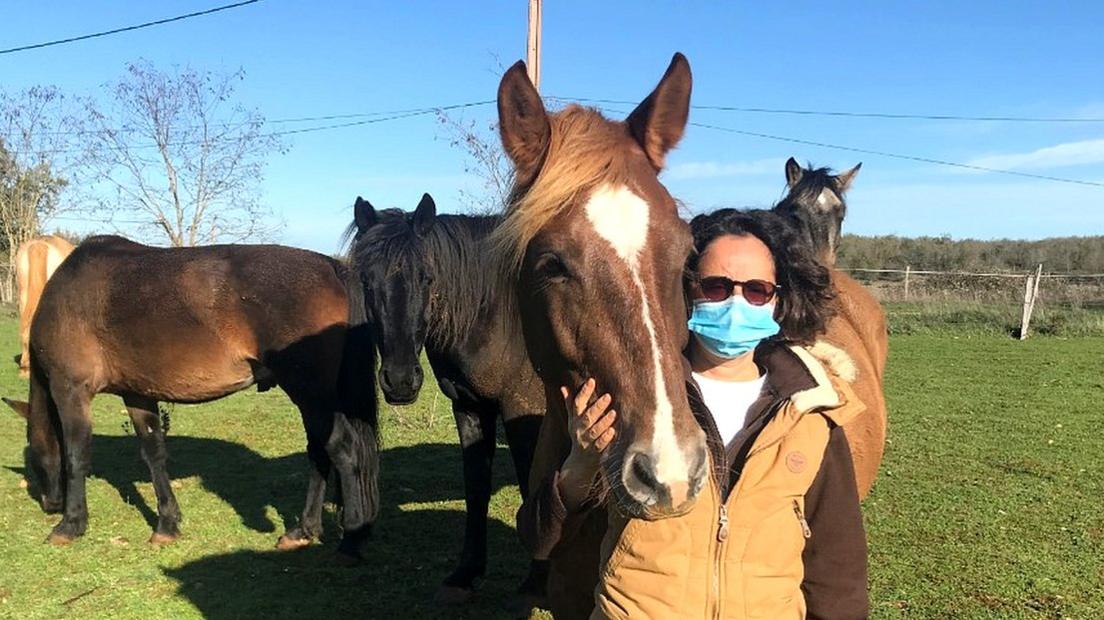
(958,58)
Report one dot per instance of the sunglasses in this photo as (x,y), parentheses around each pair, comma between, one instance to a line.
(720,288)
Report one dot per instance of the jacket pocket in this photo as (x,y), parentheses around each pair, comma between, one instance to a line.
(646,575)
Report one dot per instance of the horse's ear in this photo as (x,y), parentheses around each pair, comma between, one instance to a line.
(660,120)
(424,215)
(794,172)
(364,214)
(844,180)
(522,122)
(19,406)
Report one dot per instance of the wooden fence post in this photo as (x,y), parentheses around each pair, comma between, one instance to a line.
(1031,293)
(908,270)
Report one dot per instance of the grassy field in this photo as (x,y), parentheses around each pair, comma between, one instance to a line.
(988,505)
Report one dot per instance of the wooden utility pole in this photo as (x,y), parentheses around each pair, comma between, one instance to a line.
(533,48)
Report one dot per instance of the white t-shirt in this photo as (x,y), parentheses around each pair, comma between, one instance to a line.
(729,402)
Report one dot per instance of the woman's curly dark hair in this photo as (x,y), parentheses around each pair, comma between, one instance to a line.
(805,299)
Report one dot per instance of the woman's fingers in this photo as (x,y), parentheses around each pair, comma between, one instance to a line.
(583,396)
(605,439)
(593,423)
(604,423)
(595,411)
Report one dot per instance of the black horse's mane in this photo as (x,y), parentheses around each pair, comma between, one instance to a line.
(454,252)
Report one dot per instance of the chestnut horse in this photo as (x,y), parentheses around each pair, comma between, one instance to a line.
(35,262)
(594,249)
(816,202)
(190,325)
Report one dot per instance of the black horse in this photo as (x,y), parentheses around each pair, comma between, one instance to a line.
(428,283)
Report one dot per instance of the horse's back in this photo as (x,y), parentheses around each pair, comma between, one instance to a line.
(188,324)
(859,329)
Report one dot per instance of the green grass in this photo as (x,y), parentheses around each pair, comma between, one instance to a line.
(987,507)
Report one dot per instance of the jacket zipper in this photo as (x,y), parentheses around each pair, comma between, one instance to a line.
(808,533)
(722,536)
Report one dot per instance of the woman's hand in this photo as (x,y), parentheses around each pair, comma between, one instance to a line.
(591,428)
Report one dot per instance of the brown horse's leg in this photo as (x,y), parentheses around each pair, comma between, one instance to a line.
(74,410)
(319,428)
(147,424)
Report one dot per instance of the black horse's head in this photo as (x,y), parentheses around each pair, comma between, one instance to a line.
(815,200)
(389,249)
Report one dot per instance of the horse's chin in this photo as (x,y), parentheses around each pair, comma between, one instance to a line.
(400,401)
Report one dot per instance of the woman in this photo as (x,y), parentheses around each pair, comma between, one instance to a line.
(778,533)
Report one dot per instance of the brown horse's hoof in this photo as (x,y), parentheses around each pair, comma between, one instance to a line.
(59,539)
(158,539)
(288,543)
(452,595)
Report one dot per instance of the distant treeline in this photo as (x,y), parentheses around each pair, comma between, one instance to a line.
(1058,255)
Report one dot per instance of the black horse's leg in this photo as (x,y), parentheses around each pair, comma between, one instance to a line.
(521,435)
(318,428)
(75,413)
(147,424)
(475,424)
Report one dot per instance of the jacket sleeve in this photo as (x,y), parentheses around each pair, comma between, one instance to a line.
(835,584)
(543,520)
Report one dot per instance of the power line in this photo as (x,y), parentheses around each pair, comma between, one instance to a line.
(392,116)
(916,158)
(402,114)
(105,33)
(848,114)
(926,160)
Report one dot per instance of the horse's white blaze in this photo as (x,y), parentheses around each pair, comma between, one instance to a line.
(827,199)
(621,217)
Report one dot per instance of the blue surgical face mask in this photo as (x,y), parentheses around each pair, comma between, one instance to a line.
(732,327)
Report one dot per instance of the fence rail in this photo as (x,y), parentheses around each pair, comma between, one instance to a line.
(926,272)
(1027,291)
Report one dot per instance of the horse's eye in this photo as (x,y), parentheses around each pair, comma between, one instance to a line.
(551,268)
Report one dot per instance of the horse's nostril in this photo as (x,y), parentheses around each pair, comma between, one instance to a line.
(642,470)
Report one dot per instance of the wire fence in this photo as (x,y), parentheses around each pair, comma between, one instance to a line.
(920,285)
(1063,304)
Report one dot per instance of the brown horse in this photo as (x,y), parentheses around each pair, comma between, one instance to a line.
(189,325)
(594,248)
(35,262)
(858,330)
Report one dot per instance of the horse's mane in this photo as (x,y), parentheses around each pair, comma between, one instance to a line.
(585,151)
(813,182)
(456,256)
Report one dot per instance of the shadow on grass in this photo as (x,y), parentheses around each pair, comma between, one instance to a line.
(250,482)
(405,561)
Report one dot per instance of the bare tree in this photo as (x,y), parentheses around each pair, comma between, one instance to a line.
(484,159)
(183,160)
(35,154)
